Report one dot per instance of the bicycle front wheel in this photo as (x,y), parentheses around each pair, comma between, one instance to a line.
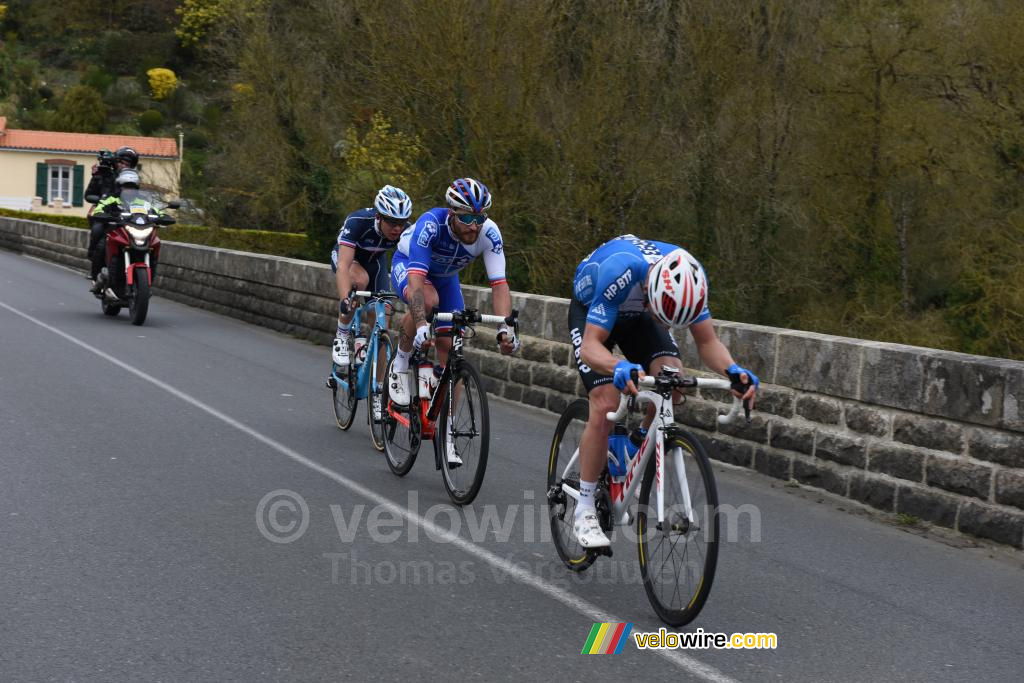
(464,430)
(679,553)
(401,429)
(564,468)
(378,399)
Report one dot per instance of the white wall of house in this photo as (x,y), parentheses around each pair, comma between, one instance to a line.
(20,184)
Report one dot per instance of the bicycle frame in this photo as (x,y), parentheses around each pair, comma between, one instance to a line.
(664,421)
(362,383)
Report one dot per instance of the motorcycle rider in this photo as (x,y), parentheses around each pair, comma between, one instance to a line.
(126,181)
(104,183)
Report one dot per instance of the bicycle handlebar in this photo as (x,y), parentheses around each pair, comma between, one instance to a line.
(474,317)
(374,295)
(650,382)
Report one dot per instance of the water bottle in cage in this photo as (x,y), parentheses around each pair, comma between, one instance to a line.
(360,349)
(425,374)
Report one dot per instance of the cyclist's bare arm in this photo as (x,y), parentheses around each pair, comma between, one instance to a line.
(501,297)
(595,353)
(712,351)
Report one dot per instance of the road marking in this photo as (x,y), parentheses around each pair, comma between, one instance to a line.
(576,603)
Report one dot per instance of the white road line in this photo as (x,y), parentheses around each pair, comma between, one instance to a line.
(584,607)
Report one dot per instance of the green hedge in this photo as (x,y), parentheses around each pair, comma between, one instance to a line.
(290,244)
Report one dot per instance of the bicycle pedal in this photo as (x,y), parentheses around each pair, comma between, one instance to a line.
(607,551)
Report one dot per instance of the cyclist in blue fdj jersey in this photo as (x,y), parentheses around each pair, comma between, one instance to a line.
(358,255)
(629,292)
(424,272)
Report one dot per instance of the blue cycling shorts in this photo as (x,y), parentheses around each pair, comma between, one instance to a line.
(449,291)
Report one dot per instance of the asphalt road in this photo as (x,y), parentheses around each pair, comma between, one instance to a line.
(134,462)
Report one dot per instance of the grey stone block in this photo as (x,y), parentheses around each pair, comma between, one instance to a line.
(696,413)
(1013,400)
(775,400)
(874,491)
(819,363)
(556,319)
(514,392)
(892,375)
(561,355)
(861,418)
(818,409)
(562,380)
(753,346)
(734,452)
(492,365)
(959,476)
(931,506)
(519,371)
(963,387)
(535,397)
(773,463)
(531,313)
(1003,448)
(820,476)
(756,430)
(841,449)
(939,435)
(1010,488)
(536,350)
(557,402)
(792,438)
(988,522)
(904,463)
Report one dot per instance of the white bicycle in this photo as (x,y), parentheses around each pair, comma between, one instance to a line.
(677,532)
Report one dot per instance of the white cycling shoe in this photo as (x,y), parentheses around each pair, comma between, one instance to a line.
(339,354)
(398,387)
(588,530)
(450,453)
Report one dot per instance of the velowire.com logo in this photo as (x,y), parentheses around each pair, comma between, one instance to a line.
(607,639)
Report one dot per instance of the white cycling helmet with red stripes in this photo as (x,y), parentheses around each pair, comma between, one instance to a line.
(677,288)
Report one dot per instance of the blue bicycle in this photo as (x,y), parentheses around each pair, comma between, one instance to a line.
(362,379)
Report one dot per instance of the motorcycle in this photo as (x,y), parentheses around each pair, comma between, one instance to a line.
(132,251)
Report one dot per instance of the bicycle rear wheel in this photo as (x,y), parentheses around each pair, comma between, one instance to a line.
(562,507)
(345,400)
(678,557)
(402,431)
(464,422)
(378,399)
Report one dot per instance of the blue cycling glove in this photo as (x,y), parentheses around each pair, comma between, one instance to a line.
(734,375)
(621,375)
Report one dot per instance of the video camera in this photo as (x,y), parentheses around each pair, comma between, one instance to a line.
(106,161)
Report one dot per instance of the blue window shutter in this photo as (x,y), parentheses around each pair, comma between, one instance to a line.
(42,176)
(78,179)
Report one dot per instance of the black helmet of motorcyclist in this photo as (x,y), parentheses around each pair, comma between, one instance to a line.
(127,155)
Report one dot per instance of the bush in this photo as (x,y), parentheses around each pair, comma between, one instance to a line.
(288,244)
(162,82)
(149,121)
(81,111)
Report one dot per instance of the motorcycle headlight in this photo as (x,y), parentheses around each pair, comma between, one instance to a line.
(140,235)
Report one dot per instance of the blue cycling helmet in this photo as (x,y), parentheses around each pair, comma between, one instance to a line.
(466,194)
(393,203)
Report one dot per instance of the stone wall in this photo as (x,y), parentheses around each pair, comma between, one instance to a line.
(929,434)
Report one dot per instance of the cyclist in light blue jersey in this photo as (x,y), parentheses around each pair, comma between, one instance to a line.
(425,267)
(630,292)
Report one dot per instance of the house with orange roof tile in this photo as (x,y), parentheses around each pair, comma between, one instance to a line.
(47,171)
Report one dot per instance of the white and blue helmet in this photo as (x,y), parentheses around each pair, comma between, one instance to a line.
(393,203)
(466,194)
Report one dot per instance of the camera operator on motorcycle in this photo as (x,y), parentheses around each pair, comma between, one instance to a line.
(103,184)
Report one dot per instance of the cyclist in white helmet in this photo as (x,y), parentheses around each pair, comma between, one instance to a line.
(358,255)
(630,292)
